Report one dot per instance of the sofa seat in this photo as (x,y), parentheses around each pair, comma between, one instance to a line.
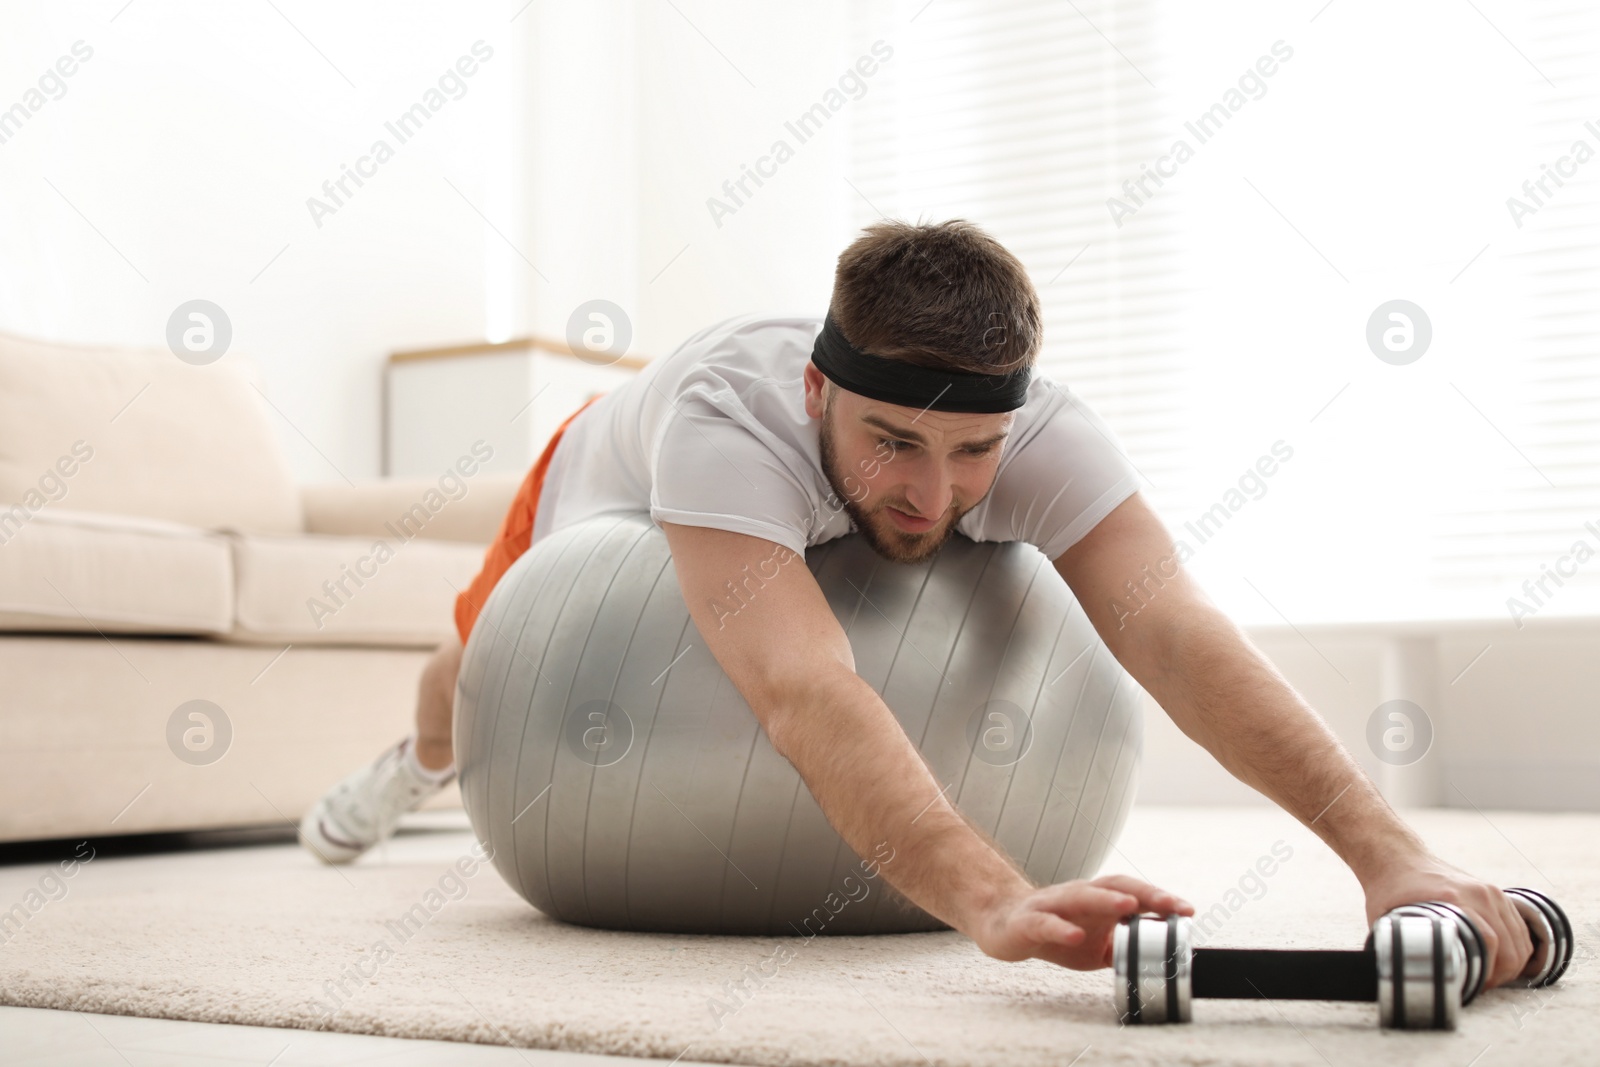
(79,571)
(316,589)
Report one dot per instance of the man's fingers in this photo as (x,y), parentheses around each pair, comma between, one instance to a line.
(1516,944)
(1151,898)
(1507,942)
(1520,931)
(1080,898)
(1491,945)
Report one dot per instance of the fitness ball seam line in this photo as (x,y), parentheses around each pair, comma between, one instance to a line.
(555,748)
(583,858)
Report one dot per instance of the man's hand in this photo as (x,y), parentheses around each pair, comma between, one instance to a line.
(1426,877)
(1070,924)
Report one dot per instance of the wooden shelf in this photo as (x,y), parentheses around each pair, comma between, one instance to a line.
(516,344)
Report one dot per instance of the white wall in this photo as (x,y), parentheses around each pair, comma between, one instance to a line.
(191,140)
(637,115)
(777,251)
(590,144)
(1511,713)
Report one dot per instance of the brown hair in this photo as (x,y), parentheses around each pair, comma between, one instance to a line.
(944,295)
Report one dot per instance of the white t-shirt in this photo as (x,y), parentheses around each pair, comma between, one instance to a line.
(716,434)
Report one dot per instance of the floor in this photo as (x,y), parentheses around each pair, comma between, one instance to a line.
(931,1003)
(33,1037)
(30,1036)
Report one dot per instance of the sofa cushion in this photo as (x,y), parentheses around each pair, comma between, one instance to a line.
(140,432)
(315,589)
(86,572)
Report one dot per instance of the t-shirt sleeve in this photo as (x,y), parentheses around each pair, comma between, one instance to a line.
(1052,488)
(708,468)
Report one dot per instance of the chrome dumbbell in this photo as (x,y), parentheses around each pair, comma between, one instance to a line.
(1421,964)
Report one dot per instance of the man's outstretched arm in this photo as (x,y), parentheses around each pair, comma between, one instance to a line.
(1225,695)
(786,653)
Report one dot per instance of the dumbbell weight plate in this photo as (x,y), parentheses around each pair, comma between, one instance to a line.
(1150,961)
(1552,935)
(1421,967)
(1471,942)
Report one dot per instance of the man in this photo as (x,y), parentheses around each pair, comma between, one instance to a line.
(909,412)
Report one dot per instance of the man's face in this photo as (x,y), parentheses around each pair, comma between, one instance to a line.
(905,475)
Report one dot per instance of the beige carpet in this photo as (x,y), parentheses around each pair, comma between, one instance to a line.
(251,935)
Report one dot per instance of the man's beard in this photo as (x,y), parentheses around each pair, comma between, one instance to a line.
(895,545)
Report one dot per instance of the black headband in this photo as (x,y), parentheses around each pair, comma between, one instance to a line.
(895,381)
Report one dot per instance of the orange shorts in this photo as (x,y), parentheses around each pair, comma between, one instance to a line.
(516,534)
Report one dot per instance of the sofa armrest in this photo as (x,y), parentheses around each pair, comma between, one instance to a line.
(466,509)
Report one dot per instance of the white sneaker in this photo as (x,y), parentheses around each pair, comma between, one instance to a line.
(363,809)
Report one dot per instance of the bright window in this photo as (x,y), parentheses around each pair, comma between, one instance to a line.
(1317,165)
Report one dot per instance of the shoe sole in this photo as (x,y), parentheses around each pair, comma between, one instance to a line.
(328,847)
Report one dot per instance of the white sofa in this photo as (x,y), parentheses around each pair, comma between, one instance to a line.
(154,551)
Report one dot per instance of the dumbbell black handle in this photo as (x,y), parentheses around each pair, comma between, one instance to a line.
(1284,974)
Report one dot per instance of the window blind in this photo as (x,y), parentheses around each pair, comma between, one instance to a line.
(1217,317)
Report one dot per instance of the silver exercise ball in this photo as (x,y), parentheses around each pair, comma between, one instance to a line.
(620,780)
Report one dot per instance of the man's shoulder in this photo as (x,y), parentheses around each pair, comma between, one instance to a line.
(754,327)
(742,349)
(1055,429)
(1045,401)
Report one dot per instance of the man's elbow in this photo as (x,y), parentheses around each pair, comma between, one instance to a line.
(783,703)
(790,702)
